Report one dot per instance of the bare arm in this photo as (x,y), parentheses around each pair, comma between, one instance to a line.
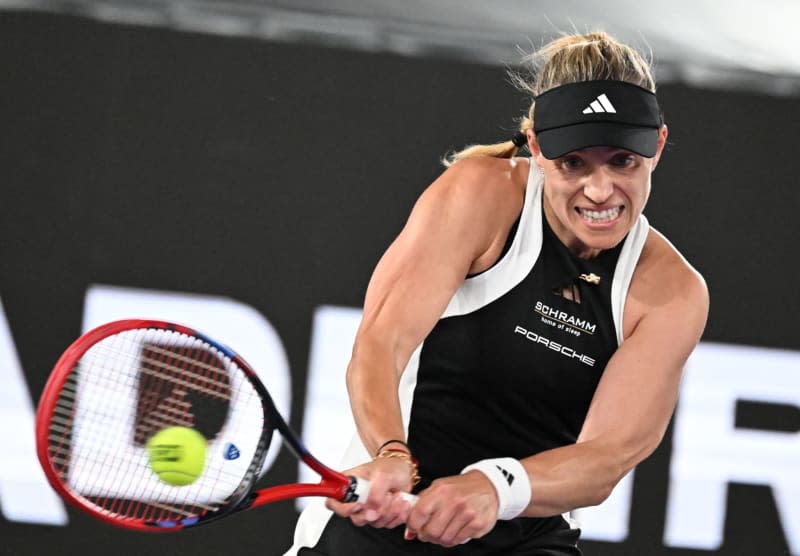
(628,416)
(667,306)
(458,225)
(636,396)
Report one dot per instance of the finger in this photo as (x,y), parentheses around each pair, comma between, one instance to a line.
(395,523)
(433,530)
(380,512)
(418,517)
(358,519)
(378,496)
(402,517)
(447,516)
(395,513)
(456,531)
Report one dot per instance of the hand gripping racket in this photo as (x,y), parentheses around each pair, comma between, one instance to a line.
(120,384)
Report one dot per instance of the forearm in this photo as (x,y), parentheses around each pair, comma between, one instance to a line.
(575,476)
(372,382)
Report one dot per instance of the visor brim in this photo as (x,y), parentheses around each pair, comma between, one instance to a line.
(559,141)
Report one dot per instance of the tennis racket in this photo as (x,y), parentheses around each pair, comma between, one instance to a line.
(120,384)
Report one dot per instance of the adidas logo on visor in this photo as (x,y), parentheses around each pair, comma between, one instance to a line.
(600,105)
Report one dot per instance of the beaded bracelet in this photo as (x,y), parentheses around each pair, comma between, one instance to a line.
(405,456)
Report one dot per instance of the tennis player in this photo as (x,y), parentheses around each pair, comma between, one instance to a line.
(523,338)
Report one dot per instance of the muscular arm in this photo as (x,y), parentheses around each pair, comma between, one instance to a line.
(458,226)
(666,310)
(636,396)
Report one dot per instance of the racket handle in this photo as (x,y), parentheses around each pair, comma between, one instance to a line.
(361,491)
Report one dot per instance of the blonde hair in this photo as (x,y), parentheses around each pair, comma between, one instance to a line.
(569,59)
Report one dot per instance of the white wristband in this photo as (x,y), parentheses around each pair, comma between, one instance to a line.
(511,482)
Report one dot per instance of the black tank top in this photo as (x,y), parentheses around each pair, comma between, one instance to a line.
(515,377)
(509,370)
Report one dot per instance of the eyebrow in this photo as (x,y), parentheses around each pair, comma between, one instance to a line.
(612,151)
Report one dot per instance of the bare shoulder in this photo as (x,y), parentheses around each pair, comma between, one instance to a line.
(665,283)
(485,179)
(477,200)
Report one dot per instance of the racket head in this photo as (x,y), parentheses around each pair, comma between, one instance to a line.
(122,382)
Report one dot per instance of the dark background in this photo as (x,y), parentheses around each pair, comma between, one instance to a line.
(276,174)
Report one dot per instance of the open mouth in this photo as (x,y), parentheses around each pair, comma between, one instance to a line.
(600,216)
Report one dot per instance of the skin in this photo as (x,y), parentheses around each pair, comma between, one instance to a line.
(458,227)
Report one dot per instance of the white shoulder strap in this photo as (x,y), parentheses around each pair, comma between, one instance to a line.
(515,265)
(626,264)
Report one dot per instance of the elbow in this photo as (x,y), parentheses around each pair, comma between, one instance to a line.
(642,449)
(352,377)
(604,484)
(371,366)
(623,459)
(633,448)
(354,373)
(634,455)
(602,494)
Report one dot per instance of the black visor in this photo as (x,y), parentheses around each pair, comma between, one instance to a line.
(597,113)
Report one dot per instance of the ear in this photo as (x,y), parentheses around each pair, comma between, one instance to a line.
(663,133)
(533,146)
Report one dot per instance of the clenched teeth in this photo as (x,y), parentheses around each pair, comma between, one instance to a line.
(601,215)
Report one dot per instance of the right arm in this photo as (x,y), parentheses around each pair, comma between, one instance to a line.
(457,227)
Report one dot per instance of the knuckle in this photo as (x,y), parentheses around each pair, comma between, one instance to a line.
(460,506)
(434,531)
(442,487)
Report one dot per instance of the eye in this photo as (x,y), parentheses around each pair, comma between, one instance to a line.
(623,160)
(571,162)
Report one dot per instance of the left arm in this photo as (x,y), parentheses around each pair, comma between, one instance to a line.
(630,411)
(626,421)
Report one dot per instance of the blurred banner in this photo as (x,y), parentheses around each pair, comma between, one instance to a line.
(248,188)
(731,45)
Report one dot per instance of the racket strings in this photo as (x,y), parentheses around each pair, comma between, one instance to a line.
(128,387)
(167,377)
(151,511)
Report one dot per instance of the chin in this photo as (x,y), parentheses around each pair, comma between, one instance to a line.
(601,242)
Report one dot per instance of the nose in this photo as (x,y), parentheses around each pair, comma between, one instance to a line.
(599,187)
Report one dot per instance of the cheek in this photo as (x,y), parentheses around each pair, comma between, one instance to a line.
(644,190)
(568,195)
(557,194)
(637,190)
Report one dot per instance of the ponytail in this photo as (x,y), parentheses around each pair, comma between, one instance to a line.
(506,149)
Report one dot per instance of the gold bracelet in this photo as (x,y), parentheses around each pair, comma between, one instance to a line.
(405,456)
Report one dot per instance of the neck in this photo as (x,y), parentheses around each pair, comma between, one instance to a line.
(566,236)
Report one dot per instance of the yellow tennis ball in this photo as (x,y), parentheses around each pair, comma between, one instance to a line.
(177,455)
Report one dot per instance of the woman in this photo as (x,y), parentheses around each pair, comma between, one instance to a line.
(523,338)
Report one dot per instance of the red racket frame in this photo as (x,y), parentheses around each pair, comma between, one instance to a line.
(332,484)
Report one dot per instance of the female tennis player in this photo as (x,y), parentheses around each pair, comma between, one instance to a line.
(523,338)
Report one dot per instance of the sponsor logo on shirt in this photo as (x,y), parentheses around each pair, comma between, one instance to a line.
(563,320)
(566,351)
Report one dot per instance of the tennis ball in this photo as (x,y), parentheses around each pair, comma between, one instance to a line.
(177,455)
